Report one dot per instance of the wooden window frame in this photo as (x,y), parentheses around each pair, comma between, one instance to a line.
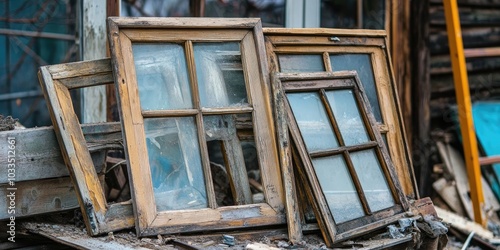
(122,33)
(56,82)
(338,41)
(333,232)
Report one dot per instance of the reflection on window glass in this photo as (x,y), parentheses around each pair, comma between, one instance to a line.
(338,14)
(301,63)
(346,113)
(271,12)
(312,120)
(175,162)
(162,78)
(338,188)
(374,14)
(372,180)
(220,76)
(361,63)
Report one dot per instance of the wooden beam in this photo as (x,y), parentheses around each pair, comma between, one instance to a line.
(464,108)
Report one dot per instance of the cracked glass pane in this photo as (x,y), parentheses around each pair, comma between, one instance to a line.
(175,163)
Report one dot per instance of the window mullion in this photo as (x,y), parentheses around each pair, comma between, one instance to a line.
(326,61)
(331,117)
(212,203)
(356,182)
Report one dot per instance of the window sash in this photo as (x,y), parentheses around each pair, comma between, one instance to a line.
(124,32)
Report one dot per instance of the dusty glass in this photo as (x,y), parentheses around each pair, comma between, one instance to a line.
(312,120)
(162,78)
(175,163)
(346,113)
(338,188)
(301,63)
(372,180)
(221,81)
(361,63)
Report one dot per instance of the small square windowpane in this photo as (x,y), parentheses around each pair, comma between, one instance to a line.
(313,121)
(362,64)
(162,76)
(346,113)
(372,179)
(219,71)
(301,63)
(338,188)
(175,163)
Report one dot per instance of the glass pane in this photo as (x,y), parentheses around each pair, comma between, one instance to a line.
(162,77)
(313,121)
(345,110)
(372,179)
(362,64)
(374,14)
(226,151)
(339,190)
(175,162)
(338,14)
(301,63)
(219,71)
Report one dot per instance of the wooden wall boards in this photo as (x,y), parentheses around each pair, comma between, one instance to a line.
(57,81)
(353,181)
(187,86)
(330,50)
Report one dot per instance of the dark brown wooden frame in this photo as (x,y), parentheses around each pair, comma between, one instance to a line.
(292,82)
(56,82)
(340,41)
(122,33)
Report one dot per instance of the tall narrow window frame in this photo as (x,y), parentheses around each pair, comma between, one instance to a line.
(328,42)
(323,84)
(123,32)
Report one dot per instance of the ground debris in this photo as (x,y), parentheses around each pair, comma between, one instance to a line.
(7,123)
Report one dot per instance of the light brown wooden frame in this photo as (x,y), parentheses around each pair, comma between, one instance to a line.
(338,41)
(122,33)
(56,82)
(334,232)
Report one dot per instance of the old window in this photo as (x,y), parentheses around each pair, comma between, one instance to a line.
(194,105)
(313,50)
(344,157)
(56,82)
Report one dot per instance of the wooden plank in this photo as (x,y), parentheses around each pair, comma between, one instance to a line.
(324,31)
(489,160)
(489,37)
(469,16)
(287,174)
(449,194)
(465,225)
(39,197)
(181,35)
(465,110)
(39,155)
(79,69)
(187,23)
(442,64)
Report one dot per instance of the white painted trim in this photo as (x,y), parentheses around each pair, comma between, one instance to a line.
(294,17)
(312,13)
